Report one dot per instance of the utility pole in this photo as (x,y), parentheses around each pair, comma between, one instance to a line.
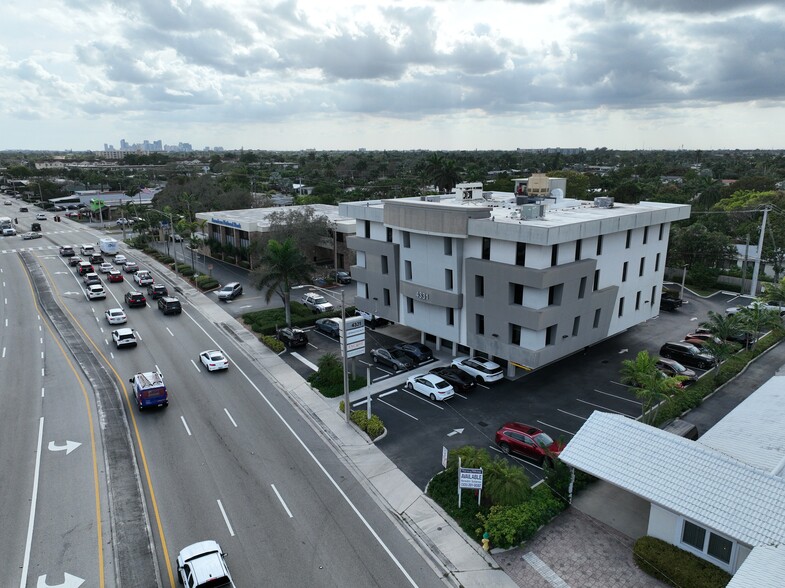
(756,270)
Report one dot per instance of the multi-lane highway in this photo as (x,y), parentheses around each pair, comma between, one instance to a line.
(229,459)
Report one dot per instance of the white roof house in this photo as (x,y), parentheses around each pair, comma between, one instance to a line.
(728,483)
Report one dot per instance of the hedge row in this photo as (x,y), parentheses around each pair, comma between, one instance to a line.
(266,322)
(677,567)
(373,426)
(273,343)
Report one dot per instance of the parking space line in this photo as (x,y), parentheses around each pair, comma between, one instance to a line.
(460,395)
(557,428)
(619,397)
(299,357)
(421,397)
(360,402)
(573,415)
(520,460)
(381,378)
(399,410)
(483,386)
(602,407)
(388,393)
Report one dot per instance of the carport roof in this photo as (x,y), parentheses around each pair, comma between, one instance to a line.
(763,568)
(683,476)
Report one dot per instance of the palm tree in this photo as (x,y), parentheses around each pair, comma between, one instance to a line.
(443,172)
(505,484)
(281,266)
(755,318)
(649,384)
(723,327)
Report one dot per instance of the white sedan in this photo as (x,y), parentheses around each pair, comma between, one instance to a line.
(213,360)
(431,386)
(116,316)
(120,259)
(482,370)
(105,267)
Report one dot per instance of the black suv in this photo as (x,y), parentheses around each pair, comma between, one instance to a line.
(687,354)
(292,337)
(169,305)
(155,291)
(418,352)
(133,299)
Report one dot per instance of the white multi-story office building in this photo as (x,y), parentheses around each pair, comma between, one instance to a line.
(526,277)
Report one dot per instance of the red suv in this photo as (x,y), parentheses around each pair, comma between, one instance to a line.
(527,441)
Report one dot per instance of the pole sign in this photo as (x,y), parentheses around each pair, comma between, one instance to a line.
(444,452)
(470,478)
(354,334)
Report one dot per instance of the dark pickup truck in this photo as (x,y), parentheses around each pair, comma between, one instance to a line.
(670,303)
(292,337)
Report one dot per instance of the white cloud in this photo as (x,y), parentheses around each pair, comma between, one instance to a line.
(462,74)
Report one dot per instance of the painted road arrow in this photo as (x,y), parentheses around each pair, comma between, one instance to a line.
(68,447)
(69,581)
(623,351)
(455,432)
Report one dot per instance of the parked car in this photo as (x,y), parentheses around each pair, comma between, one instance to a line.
(67,251)
(230,291)
(394,358)
(371,319)
(213,360)
(458,379)
(114,276)
(418,352)
(292,337)
(687,354)
(430,385)
(483,370)
(671,367)
(343,277)
(155,291)
(124,338)
(130,267)
(528,441)
(329,326)
(774,306)
(134,299)
(316,302)
(95,292)
(115,316)
(670,304)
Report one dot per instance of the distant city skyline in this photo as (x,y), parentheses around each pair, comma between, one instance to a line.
(395,74)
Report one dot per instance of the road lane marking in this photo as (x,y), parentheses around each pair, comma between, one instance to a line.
(226,519)
(33,502)
(42,355)
(42,391)
(280,498)
(411,416)
(619,397)
(187,430)
(600,406)
(170,332)
(3,352)
(230,417)
(310,364)
(573,415)
(41,340)
(196,366)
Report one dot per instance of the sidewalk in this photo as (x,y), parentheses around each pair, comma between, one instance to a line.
(457,559)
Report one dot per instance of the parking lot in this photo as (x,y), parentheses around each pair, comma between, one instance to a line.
(556,399)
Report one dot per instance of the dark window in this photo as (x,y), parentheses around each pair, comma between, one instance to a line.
(578,245)
(623,272)
(407,269)
(515,334)
(554,294)
(645,235)
(365,291)
(719,547)
(662,229)
(389,235)
(653,295)
(520,254)
(367,229)
(410,305)
(387,297)
(385,268)
(448,279)
(516,293)
(554,255)
(621,306)
(550,335)
(599,245)
(576,325)
(638,301)
(629,239)
(657,263)
(480,324)
(486,248)
(448,245)
(582,288)
(407,239)
(450,316)
(693,535)
(596,318)
(642,266)
(479,286)
(596,280)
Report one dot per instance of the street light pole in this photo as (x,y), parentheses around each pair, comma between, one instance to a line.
(683,278)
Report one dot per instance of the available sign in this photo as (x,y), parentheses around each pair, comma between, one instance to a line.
(470,478)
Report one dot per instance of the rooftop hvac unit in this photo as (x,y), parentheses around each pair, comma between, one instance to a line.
(603,202)
(532,211)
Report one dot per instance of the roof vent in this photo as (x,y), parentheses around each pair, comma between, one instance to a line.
(532,211)
(603,202)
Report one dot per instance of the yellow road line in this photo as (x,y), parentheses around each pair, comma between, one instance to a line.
(138,441)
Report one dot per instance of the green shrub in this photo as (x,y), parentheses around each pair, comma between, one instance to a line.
(359,418)
(206,283)
(184,269)
(443,489)
(509,526)
(375,427)
(328,379)
(272,343)
(266,321)
(676,567)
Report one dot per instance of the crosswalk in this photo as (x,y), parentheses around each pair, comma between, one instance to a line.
(21,249)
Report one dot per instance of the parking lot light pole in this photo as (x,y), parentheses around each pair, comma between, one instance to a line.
(343,344)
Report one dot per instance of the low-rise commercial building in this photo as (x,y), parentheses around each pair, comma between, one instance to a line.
(526,277)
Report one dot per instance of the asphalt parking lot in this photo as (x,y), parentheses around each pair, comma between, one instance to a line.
(557,398)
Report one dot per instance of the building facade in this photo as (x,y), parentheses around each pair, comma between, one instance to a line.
(519,278)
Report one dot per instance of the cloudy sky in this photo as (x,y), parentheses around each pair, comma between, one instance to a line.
(393,74)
